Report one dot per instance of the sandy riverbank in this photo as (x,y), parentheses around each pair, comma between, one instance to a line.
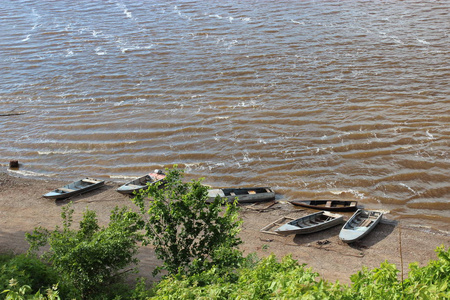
(22,208)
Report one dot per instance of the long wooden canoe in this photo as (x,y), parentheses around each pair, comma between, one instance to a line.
(142,182)
(75,188)
(244,195)
(311,223)
(330,205)
(359,225)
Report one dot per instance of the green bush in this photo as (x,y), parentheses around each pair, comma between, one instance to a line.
(92,258)
(270,279)
(26,271)
(189,235)
(16,292)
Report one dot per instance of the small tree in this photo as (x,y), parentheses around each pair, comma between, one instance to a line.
(189,234)
(91,258)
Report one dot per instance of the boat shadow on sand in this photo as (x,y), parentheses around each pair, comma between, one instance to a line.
(379,233)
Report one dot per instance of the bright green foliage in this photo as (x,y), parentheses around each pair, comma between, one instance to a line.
(16,292)
(429,282)
(25,271)
(269,279)
(189,235)
(91,258)
(379,283)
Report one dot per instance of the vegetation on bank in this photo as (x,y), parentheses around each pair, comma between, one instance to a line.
(198,244)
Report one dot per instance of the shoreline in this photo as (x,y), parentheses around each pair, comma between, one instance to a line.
(22,208)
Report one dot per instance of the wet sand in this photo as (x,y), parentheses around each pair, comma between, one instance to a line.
(22,208)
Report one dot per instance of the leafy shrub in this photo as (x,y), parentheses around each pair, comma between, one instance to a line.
(189,234)
(431,281)
(26,271)
(91,258)
(270,279)
(16,292)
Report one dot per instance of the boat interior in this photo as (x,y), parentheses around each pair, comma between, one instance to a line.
(331,203)
(236,192)
(311,221)
(364,219)
(77,185)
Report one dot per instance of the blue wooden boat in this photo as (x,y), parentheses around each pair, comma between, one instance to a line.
(359,225)
(75,188)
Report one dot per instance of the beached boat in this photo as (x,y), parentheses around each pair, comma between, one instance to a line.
(244,195)
(142,182)
(75,188)
(330,205)
(311,223)
(359,225)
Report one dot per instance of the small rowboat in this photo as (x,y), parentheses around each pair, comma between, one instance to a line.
(244,195)
(330,205)
(359,225)
(311,223)
(75,188)
(142,182)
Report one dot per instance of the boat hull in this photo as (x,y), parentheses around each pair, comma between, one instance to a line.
(141,183)
(311,223)
(244,195)
(329,205)
(359,225)
(75,188)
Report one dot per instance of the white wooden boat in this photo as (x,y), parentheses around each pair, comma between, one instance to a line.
(311,223)
(75,188)
(244,195)
(359,225)
(330,205)
(142,182)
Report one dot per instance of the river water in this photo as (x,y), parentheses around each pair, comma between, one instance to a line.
(317,99)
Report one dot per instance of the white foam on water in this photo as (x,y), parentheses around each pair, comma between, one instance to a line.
(215,165)
(297,22)
(67,151)
(96,33)
(422,41)
(99,51)
(350,191)
(409,188)
(246,157)
(125,10)
(135,48)
(127,13)
(29,173)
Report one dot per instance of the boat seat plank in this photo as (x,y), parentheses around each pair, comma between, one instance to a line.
(89,180)
(134,186)
(66,190)
(366,223)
